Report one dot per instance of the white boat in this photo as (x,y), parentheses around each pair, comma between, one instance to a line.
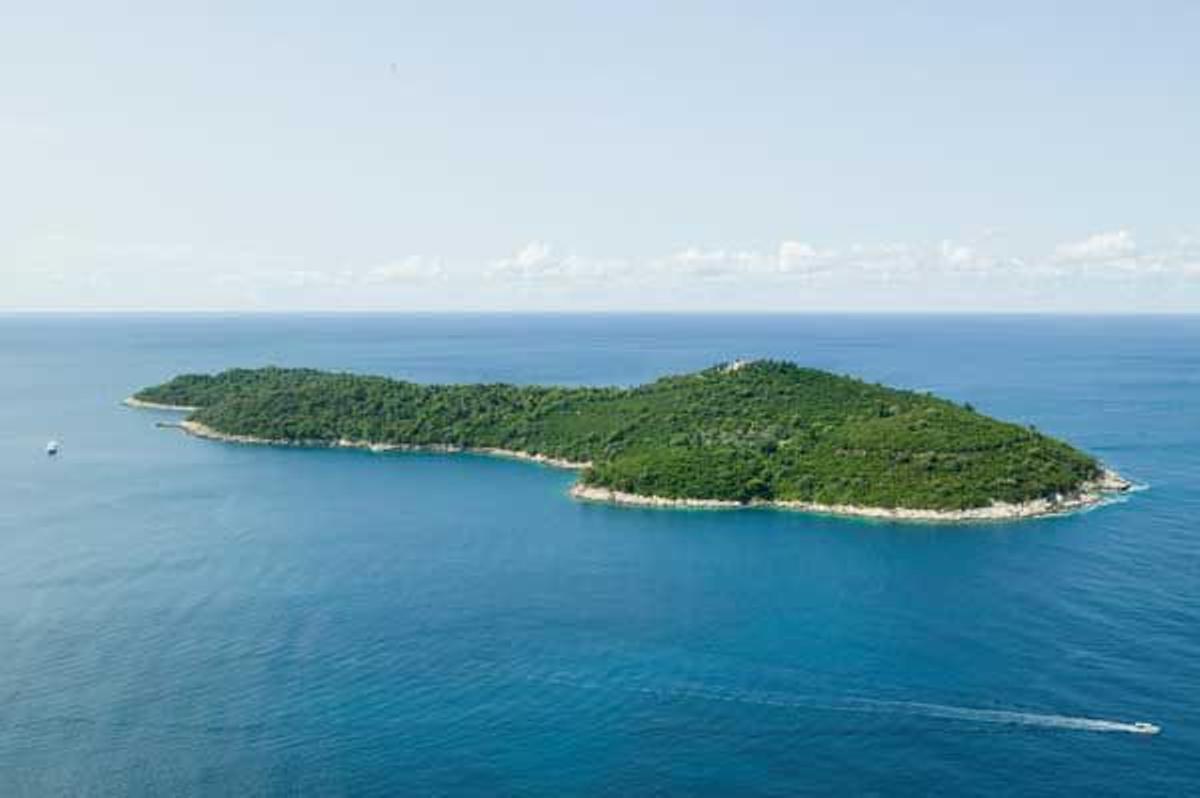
(52,447)
(1141,727)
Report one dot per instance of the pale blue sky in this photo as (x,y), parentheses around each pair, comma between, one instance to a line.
(682,156)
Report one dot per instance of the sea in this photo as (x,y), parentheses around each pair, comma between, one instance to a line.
(187,617)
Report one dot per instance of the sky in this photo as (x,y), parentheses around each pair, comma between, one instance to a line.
(521,156)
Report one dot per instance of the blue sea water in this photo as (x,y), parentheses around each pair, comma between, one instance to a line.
(187,617)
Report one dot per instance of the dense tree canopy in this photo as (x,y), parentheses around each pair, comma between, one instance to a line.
(763,430)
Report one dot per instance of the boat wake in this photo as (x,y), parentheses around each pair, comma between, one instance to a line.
(1009,717)
(864,705)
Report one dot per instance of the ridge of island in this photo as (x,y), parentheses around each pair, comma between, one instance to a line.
(740,434)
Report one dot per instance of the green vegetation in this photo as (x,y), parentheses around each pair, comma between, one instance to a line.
(763,430)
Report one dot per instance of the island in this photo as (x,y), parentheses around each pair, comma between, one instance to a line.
(758,433)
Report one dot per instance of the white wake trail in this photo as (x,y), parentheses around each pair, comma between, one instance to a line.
(1006,716)
(864,705)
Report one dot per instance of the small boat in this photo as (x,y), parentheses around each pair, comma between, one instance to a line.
(52,447)
(1142,727)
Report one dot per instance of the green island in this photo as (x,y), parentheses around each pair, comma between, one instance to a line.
(737,434)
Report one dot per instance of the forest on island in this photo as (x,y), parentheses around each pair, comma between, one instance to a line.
(763,430)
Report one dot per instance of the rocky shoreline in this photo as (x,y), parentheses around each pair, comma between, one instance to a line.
(143,404)
(1089,494)
(203,431)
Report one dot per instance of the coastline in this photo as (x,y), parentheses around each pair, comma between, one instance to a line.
(199,430)
(144,405)
(1090,494)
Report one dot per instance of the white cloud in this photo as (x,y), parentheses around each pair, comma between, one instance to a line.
(534,255)
(794,272)
(710,264)
(304,278)
(414,268)
(537,261)
(1187,255)
(956,254)
(791,258)
(885,262)
(1116,255)
(798,257)
(1099,248)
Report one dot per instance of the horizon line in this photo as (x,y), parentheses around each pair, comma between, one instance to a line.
(579,312)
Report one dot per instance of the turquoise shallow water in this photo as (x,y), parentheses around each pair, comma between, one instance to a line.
(185,617)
